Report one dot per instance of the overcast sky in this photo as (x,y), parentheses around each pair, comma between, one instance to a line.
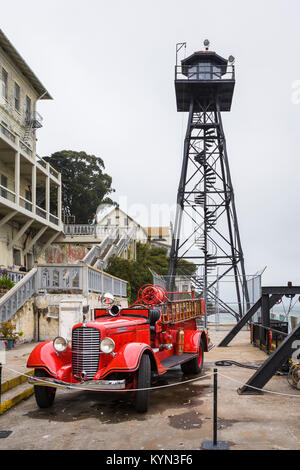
(110,69)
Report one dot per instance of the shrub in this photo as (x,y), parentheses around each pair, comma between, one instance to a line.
(6,283)
(7,330)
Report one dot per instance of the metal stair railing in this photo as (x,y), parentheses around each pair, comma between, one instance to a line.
(124,242)
(16,297)
(96,251)
(120,246)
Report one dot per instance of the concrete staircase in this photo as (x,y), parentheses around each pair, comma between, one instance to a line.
(114,244)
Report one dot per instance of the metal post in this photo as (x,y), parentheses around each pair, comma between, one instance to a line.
(0,380)
(215,439)
(215,444)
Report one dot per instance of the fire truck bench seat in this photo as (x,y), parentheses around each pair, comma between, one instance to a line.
(154,316)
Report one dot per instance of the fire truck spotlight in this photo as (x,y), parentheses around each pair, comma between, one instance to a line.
(60,344)
(107,345)
(107,299)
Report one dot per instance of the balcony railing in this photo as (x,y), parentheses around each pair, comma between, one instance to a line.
(26,148)
(58,278)
(99,231)
(53,172)
(7,133)
(202,72)
(7,193)
(25,204)
(41,162)
(41,212)
(80,278)
(14,276)
(83,229)
(54,219)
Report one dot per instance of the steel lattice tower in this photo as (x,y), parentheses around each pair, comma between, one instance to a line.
(204,84)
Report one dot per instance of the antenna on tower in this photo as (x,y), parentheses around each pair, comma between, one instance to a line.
(179,46)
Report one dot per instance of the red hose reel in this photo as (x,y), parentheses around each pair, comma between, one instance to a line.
(152,295)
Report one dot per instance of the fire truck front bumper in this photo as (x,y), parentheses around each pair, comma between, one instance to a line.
(90,385)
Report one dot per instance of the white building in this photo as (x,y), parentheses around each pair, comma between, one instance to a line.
(30,189)
(160,236)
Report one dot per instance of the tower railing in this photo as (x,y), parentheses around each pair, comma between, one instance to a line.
(204,72)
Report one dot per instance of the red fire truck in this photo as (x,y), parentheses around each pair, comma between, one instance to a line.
(122,348)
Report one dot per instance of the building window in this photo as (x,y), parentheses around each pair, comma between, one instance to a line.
(17,97)
(28,109)
(28,206)
(3,185)
(4,84)
(17,257)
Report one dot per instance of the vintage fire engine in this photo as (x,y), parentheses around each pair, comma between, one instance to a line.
(122,348)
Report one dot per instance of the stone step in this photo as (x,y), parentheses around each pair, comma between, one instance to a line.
(14,390)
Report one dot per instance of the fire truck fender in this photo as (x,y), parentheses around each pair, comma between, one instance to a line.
(192,341)
(45,357)
(128,359)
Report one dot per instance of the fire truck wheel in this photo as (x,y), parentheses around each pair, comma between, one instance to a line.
(44,395)
(194,366)
(143,381)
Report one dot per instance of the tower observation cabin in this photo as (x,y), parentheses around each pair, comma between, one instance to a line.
(206,77)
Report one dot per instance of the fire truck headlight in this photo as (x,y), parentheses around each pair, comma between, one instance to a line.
(107,345)
(60,344)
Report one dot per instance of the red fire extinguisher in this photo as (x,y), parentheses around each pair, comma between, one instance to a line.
(179,342)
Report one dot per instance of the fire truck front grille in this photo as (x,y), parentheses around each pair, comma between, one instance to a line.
(85,352)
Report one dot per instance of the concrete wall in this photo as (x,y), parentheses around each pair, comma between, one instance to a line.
(7,232)
(65,253)
(26,319)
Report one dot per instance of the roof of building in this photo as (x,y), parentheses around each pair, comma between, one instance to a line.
(106,209)
(25,69)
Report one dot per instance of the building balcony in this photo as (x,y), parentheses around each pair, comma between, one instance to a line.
(30,189)
(35,120)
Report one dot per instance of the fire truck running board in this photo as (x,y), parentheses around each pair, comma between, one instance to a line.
(173,361)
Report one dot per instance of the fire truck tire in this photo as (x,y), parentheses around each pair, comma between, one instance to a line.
(143,381)
(194,366)
(44,395)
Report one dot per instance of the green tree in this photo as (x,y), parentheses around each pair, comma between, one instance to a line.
(84,183)
(137,272)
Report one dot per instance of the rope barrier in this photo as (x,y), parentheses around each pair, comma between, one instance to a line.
(260,389)
(195,379)
(85,389)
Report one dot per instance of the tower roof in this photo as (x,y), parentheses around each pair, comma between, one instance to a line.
(25,69)
(200,56)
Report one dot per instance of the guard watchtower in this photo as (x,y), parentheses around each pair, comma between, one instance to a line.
(205,77)
(204,85)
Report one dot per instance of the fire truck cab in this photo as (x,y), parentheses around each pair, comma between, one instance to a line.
(122,348)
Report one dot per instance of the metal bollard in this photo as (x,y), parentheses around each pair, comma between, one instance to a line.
(215,444)
(0,380)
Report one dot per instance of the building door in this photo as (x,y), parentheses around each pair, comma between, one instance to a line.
(70,313)
(29,261)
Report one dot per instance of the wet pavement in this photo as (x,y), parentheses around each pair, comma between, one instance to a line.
(178,418)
